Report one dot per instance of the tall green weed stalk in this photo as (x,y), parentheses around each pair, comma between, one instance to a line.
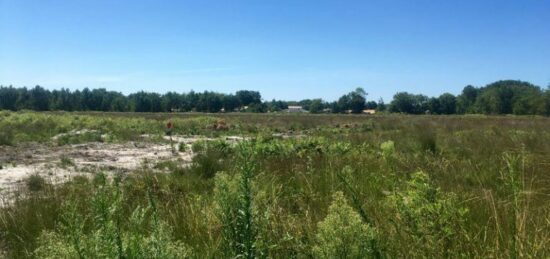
(513,179)
(346,179)
(105,233)
(233,197)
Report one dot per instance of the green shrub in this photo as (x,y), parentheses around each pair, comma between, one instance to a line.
(143,235)
(233,201)
(207,164)
(87,136)
(427,140)
(6,136)
(388,148)
(99,179)
(35,182)
(182,147)
(431,221)
(198,146)
(342,234)
(367,126)
(65,162)
(221,146)
(173,166)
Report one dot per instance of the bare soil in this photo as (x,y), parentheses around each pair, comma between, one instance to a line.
(60,163)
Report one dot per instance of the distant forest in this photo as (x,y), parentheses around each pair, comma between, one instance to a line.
(501,97)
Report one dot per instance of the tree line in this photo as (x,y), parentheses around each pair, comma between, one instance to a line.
(501,97)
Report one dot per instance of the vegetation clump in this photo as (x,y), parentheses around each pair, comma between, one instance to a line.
(342,234)
(106,235)
(36,182)
(431,222)
(388,148)
(234,208)
(65,162)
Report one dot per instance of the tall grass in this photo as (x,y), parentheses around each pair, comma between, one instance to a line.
(104,233)
(477,188)
(233,197)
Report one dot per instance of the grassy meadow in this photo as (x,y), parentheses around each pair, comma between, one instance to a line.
(296,186)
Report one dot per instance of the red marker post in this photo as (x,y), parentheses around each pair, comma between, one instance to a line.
(169,127)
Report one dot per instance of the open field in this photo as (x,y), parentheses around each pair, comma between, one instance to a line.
(80,185)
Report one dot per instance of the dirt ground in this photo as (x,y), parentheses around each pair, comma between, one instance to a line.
(59,163)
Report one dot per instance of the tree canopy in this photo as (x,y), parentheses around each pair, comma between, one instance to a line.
(501,97)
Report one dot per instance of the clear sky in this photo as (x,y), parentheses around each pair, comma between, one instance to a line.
(286,49)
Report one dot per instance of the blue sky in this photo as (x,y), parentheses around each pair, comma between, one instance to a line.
(284,49)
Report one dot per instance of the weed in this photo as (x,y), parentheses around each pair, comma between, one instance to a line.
(432,220)
(514,182)
(342,234)
(233,197)
(207,164)
(427,140)
(35,182)
(99,179)
(198,146)
(143,235)
(65,162)
(182,147)
(388,148)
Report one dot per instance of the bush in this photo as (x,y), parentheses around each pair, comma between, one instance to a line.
(143,235)
(210,157)
(182,147)
(99,179)
(431,220)
(207,164)
(198,146)
(65,162)
(36,182)
(388,148)
(79,137)
(342,234)
(427,140)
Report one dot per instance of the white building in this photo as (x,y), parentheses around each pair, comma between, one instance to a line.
(369,111)
(295,108)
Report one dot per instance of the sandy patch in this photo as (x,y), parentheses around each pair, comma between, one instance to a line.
(59,163)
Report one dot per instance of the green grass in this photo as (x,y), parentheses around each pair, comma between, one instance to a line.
(35,183)
(416,186)
(65,162)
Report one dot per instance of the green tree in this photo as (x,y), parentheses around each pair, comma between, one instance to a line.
(40,99)
(247,97)
(466,100)
(353,101)
(316,106)
(8,98)
(447,104)
(434,106)
(371,105)
(404,102)
(381,106)
(230,102)
(510,96)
